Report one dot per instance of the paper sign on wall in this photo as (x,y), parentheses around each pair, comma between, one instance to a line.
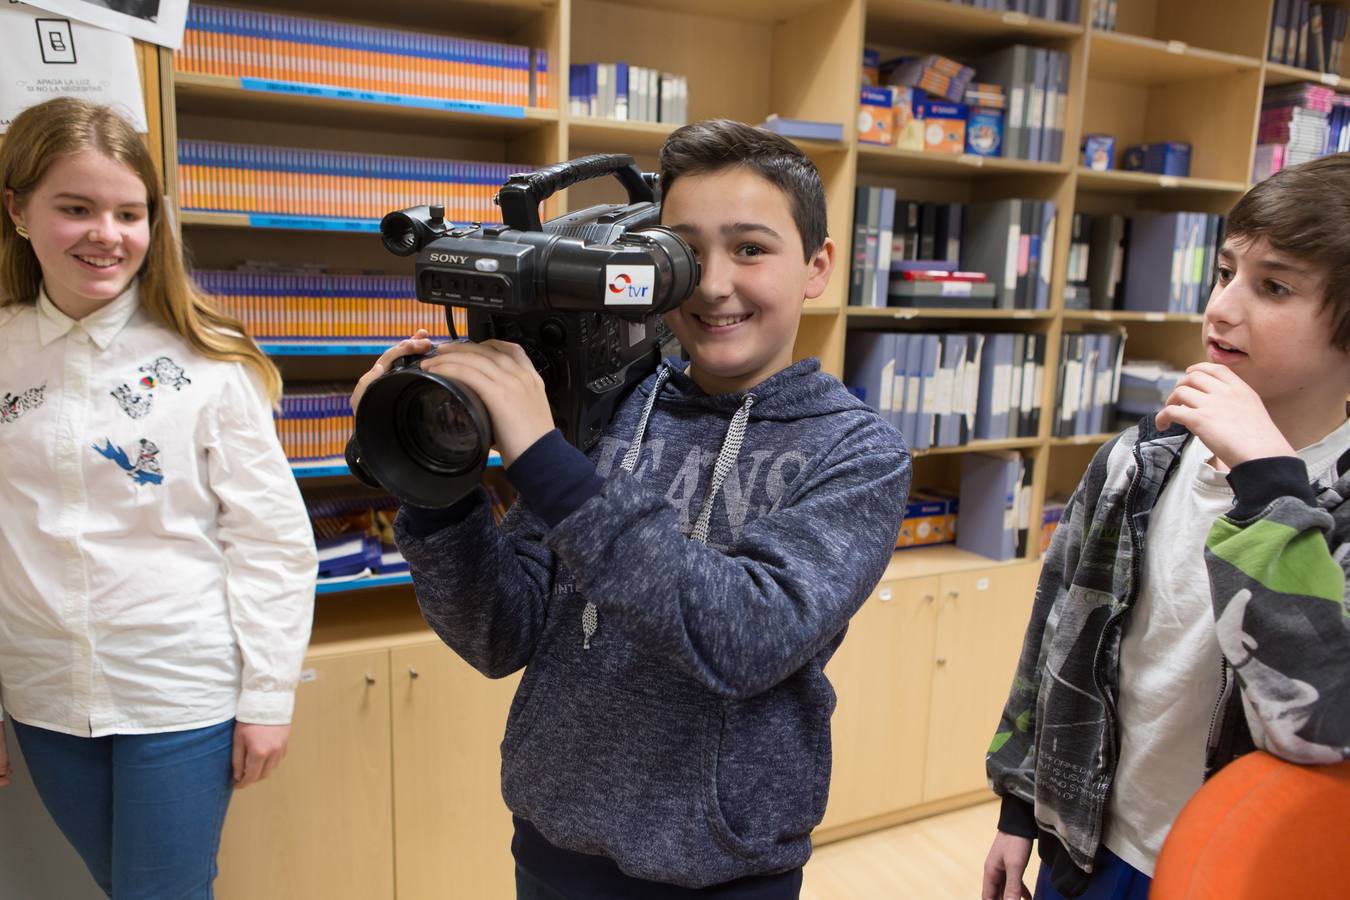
(44,56)
(158,21)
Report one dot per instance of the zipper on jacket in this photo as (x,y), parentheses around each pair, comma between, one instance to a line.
(1135,577)
(1218,707)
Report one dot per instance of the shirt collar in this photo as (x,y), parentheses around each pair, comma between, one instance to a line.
(101,325)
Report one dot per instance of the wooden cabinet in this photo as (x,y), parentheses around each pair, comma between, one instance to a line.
(882,674)
(921,679)
(392,778)
(453,830)
(982,617)
(322,826)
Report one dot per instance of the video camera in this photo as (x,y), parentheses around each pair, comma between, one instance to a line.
(583,294)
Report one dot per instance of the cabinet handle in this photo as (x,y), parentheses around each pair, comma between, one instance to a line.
(370,679)
(942,660)
(412,673)
(953,595)
(929,598)
(884,595)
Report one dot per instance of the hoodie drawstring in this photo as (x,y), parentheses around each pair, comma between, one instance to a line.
(726,458)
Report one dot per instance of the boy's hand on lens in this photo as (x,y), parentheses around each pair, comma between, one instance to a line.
(1223,411)
(418,343)
(1004,868)
(503,377)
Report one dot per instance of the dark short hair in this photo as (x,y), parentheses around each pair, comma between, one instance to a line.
(1303,212)
(703,148)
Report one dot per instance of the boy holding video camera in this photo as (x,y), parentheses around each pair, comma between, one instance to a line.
(674,595)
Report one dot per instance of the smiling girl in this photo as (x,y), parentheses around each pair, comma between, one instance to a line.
(156,564)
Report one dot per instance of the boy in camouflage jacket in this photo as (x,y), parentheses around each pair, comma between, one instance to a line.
(1118,711)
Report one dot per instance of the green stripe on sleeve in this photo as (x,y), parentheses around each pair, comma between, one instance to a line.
(1279,557)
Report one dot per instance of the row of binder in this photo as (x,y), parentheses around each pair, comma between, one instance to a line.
(285,306)
(242,43)
(1088,383)
(945,390)
(314,421)
(245,178)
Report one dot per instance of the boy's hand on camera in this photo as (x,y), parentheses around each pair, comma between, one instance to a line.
(1221,409)
(506,381)
(418,343)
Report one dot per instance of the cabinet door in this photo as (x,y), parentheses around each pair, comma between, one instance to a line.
(982,617)
(321,826)
(454,831)
(882,675)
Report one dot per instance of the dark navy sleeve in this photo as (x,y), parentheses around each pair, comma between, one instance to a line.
(554,478)
(422,522)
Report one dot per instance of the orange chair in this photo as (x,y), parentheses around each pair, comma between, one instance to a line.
(1262,829)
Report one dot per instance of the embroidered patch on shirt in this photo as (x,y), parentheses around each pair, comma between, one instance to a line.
(12,408)
(135,405)
(164,371)
(146,468)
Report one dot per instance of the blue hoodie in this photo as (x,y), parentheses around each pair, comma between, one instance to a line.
(673,715)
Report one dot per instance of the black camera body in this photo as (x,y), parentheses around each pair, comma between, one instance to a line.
(583,294)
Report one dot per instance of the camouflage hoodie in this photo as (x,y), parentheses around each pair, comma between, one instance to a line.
(1277,566)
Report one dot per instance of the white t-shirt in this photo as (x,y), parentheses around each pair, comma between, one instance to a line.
(1170,661)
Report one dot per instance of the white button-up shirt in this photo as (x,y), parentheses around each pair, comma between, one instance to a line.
(156,564)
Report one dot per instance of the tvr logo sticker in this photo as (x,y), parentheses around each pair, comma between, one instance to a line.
(629,285)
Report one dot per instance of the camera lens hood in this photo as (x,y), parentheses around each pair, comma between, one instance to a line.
(425,438)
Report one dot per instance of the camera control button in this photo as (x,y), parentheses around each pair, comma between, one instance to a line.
(553,333)
(486,265)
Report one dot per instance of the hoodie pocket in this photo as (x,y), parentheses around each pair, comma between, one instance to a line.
(770,771)
(623,772)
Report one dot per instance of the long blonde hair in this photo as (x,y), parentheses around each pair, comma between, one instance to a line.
(43,134)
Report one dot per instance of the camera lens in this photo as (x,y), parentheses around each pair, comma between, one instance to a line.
(437,430)
(423,437)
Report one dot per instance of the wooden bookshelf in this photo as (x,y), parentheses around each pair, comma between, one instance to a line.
(944,559)
(1144,61)
(801,58)
(874,159)
(1030,443)
(755,12)
(1278,73)
(859,313)
(265,100)
(1082,440)
(1120,315)
(1117,181)
(949,27)
(1190,70)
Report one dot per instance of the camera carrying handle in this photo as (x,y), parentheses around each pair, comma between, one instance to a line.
(520,197)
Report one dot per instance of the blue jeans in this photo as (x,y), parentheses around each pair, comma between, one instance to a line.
(144,811)
(1112,879)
